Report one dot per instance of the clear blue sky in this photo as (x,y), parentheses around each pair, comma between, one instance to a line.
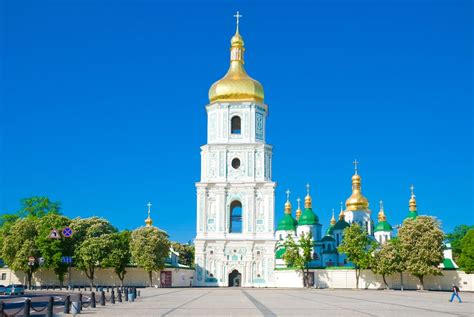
(103,103)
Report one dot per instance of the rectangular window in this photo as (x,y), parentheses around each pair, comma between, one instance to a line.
(4,276)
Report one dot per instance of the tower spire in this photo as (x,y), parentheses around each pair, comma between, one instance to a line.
(341,213)
(288,204)
(381,215)
(333,220)
(149,221)
(298,211)
(307,200)
(412,202)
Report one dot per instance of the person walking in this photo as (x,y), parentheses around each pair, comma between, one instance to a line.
(455,293)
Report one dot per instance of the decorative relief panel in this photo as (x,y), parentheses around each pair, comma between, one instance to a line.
(212,126)
(259,126)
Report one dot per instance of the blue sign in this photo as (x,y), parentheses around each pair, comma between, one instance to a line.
(67,232)
(66,259)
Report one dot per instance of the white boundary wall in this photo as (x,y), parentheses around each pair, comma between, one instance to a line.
(346,279)
(134,277)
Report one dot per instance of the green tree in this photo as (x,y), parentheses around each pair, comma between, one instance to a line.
(120,256)
(19,244)
(466,260)
(357,247)
(299,254)
(422,246)
(85,228)
(52,250)
(38,207)
(387,260)
(92,253)
(150,248)
(186,252)
(455,238)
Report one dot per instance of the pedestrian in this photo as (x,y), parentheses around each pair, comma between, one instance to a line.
(455,293)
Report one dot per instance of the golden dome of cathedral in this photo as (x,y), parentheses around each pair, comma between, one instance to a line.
(357,201)
(236,85)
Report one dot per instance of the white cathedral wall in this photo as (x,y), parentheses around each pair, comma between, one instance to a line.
(345,279)
(361,217)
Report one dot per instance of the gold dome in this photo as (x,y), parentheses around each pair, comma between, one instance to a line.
(236,85)
(381,215)
(357,201)
(298,211)
(149,221)
(333,220)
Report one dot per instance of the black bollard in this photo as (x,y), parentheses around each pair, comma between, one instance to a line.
(119,295)
(138,293)
(2,309)
(67,304)
(102,298)
(49,312)
(112,296)
(125,294)
(135,292)
(107,289)
(80,302)
(93,300)
(26,307)
(97,288)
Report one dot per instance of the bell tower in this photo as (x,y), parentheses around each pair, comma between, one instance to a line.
(235,196)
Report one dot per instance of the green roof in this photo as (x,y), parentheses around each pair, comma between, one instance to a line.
(308,217)
(383,226)
(287,223)
(341,224)
(279,253)
(327,238)
(448,264)
(412,215)
(330,230)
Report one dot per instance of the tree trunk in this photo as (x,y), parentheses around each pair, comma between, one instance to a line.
(29,275)
(357,271)
(150,278)
(401,281)
(421,281)
(385,281)
(90,275)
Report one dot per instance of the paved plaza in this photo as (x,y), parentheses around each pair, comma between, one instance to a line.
(288,302)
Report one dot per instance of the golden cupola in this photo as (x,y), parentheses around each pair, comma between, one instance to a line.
(298,211)
(412,201)
(381,215)
(236,85)
(357,201)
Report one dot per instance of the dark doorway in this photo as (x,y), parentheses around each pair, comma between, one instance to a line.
(235,279)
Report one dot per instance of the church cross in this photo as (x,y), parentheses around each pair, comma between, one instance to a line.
(381,205)
(237,16)
(412,189)
(341,206)
(288,194)
(149,208)
(355,165)
(307,188)
(299,201)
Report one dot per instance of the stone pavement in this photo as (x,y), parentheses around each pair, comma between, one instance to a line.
(287,302)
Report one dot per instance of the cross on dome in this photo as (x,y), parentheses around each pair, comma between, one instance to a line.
(355,165)
(307,188)
(288,194)
(412,189)
(237,16)
(149,207)
(299,202)
(381,204)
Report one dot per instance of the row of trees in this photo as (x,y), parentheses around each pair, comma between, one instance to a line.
(418,249)
(95,243)
(462,244)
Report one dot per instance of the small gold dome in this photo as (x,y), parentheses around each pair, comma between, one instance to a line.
(298,211)
(381,215)
(236,85)
(412,201)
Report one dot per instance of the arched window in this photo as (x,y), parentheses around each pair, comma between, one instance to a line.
(235,125)
(235,217)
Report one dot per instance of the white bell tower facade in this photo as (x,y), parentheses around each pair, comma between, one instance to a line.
(235,242)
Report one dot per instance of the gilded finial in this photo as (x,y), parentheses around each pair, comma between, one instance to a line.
(412,202)
(341,213)
(381,215)
(333,220)
(298,211)
(288,204)
(307,199)
(148,220)
(357,201)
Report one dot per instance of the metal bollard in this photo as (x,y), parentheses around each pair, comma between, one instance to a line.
(26,307)
(125,294)
(49,312)
(102,298)
(80,302)
(107,289)
(97,288)
(112,297)
(67,304)
(93,300)
(119,295)
(138,293)
(2,309)
(134,292)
